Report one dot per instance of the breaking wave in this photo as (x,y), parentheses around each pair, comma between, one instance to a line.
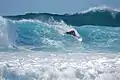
(50,36)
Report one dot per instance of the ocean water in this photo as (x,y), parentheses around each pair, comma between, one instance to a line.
(34,46)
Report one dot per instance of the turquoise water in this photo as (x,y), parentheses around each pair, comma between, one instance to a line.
(45,36)
(32,49)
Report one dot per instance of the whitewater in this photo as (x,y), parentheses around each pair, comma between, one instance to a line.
(34,46)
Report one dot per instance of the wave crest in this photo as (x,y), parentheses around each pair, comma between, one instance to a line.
(100,16)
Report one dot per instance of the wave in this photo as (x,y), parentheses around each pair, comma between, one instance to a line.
(38,49)
(37,35)
(98,16)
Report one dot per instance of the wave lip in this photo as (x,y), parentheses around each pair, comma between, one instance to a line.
(100,8)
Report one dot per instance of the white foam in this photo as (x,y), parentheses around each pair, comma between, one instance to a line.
(60,67)
(4,42)
(99,8)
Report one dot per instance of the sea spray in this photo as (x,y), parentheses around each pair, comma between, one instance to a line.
(4,41)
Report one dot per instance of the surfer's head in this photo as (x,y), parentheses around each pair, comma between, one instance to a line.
(72,32)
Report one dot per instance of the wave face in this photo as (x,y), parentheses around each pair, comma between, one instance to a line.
(37,35)
(50,36)
(98,16)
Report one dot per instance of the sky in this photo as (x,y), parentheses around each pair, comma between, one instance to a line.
(15,7)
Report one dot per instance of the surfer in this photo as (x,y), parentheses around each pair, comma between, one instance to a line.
(73,33)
